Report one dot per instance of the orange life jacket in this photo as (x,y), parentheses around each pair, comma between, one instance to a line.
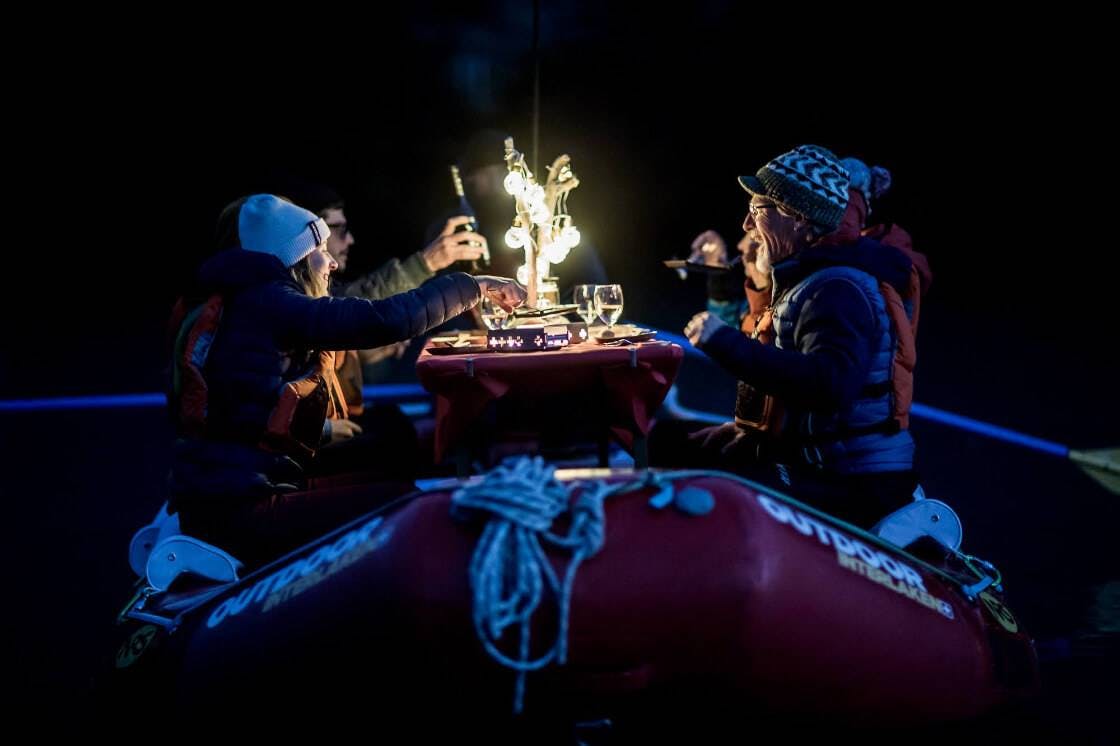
(295,425)
(348,371)
(903,311)
(762,412)
(753,409)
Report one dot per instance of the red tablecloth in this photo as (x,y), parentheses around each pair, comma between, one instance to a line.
(635,379)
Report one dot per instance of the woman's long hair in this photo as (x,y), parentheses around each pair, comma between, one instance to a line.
(313,284)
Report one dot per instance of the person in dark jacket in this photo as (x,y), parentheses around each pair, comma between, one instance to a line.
(270,379)
(746,304)
(838,446)
(380,437)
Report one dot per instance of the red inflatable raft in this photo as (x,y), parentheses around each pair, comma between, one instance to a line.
(728,596)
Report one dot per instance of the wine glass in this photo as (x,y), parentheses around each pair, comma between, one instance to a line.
(493,315)
(608,303)
(584,298)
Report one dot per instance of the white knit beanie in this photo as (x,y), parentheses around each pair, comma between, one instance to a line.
(275,226)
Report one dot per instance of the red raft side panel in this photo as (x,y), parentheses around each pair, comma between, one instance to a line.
(761,598)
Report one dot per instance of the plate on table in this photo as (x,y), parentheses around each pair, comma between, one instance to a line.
(622,333)
(455,344)
(704,269)
(442,348)
(529,313)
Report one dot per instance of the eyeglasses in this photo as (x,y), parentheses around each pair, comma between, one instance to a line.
(754,209)
(342,230)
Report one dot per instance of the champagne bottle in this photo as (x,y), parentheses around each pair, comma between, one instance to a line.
(464,208)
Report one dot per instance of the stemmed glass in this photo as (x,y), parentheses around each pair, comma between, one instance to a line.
(584,298)
(608,303)
(493,315)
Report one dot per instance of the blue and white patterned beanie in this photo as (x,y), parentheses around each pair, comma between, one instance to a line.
(808,181)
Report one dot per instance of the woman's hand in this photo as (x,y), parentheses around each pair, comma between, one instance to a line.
(505,292)
(344,430)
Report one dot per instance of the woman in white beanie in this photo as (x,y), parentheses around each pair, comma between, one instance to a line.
(239,481)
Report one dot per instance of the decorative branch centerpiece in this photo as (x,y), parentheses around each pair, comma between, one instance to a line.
(541,223)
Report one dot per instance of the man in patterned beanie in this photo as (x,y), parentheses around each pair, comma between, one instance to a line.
(836,444)
(808,188)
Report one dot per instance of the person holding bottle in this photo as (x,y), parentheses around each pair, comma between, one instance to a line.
(243,481)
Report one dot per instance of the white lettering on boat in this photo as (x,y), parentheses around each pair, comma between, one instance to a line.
(301,574)
(856,556)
